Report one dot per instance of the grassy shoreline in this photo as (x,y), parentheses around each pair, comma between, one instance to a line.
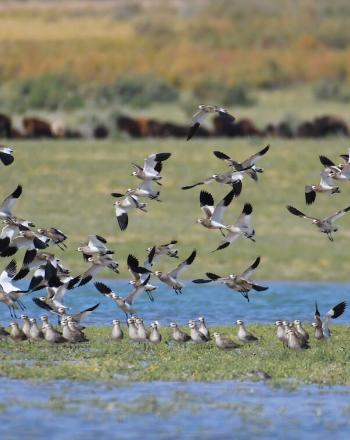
(102,360)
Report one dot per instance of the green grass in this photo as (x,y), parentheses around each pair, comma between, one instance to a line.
(104,360)
(67,185)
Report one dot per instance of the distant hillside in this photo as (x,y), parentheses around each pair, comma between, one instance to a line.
(265,43)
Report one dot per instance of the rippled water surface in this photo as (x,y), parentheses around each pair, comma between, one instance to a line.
(240,410)
(283,300)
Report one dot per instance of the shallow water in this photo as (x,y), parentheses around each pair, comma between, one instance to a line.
(240,410)
(220,306)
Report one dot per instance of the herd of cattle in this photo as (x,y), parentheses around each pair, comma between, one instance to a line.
(34,127)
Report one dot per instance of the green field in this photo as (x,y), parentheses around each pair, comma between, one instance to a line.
(104,360)
(67,185)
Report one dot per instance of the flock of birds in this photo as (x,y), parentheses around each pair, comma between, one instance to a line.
(47,272)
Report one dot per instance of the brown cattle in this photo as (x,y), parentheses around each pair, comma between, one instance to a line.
(37,128)
(323,126)
(129,125)
(143,127)
(5,126)
(243,127)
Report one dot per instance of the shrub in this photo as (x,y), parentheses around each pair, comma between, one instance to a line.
(215,92)
(52,91)
(331,90)
(139,91)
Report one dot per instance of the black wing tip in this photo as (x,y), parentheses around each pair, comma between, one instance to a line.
(100,238)
(339,309)
(17,192)
(92,308)
(160,157)
(256,263)
(102,288)
(8,252)
(317,312)
(116,194)
(11,268)
(258,288)
(237,187)
(193,130)
(85,280)
(326,161)
(132,261)
(206,199)
(264,150)
(310,197)
(6,159)
(247,209)
(212,276)
(228,198)
(222,246)
(191,258)
(123,221)
(221,155)
(295,211)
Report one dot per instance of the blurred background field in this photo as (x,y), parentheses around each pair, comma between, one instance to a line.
(67,185)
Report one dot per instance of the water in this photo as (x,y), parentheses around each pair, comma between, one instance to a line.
(220,305)
(158,410)
(172,410)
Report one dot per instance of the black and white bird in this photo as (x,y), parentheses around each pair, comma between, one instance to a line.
(55,235)
(164,249)
(240,229)
(213,213)
(28,240)
(145,189)
(232,178)
(326,224)
(124,304)
(97,264)
(248,165)
(13,293)
(152,167)
(337,172)
(204,111)
(326,185)
(55,295)
(9,202)
(139,274)
(96,246)
(123,207)
(242,282)
(6,155)
(171,278)
(333,313)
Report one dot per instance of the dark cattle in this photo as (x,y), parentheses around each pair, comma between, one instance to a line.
(175,130)
(282,129)
(323,126)
(143,127)
(101,132)
(37,128)
(5,126)
(129,125)
(243,127)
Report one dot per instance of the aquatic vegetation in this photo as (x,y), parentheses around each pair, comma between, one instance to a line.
(105,361)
